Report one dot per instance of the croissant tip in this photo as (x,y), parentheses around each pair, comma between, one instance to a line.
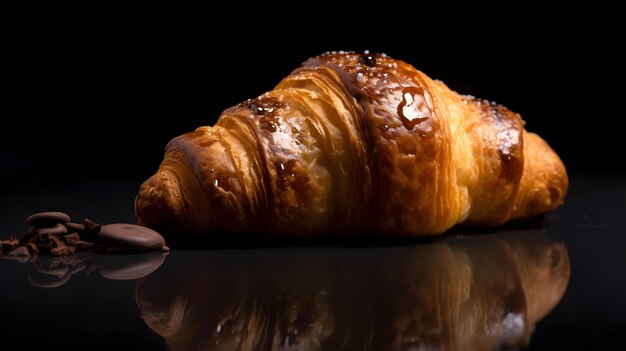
(154,205)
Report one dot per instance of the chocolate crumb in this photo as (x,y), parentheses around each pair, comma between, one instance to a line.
(63,250)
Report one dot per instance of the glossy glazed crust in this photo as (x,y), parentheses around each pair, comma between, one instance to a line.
(350,143)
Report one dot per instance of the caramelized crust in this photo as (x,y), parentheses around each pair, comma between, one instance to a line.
(350,143)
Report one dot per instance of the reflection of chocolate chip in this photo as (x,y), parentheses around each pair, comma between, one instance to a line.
(129,267)
(41,280)
(56,266)
(123,237)
(47,219)
(20,251)
(54,271)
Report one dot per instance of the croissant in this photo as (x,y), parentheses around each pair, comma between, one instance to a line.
(353,143)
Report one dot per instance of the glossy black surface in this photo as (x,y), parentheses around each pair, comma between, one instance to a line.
(363,292)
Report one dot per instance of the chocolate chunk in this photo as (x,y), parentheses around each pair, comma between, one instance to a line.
(88,227)
(123,237)
(7,246)
(91,226)
(47,219)
(47,242)
(75,240)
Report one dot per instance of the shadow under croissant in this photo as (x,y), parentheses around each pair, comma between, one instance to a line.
(478,292)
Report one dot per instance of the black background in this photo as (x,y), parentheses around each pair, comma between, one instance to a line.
(106,102)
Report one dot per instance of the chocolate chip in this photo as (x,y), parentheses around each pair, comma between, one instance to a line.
(123,237)
(58,229)
(75,227)
(47,219)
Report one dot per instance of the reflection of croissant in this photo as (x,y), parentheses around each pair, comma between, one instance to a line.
(478,293)
(352,142)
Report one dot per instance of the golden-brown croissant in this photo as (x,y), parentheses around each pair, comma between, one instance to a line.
(351,143)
